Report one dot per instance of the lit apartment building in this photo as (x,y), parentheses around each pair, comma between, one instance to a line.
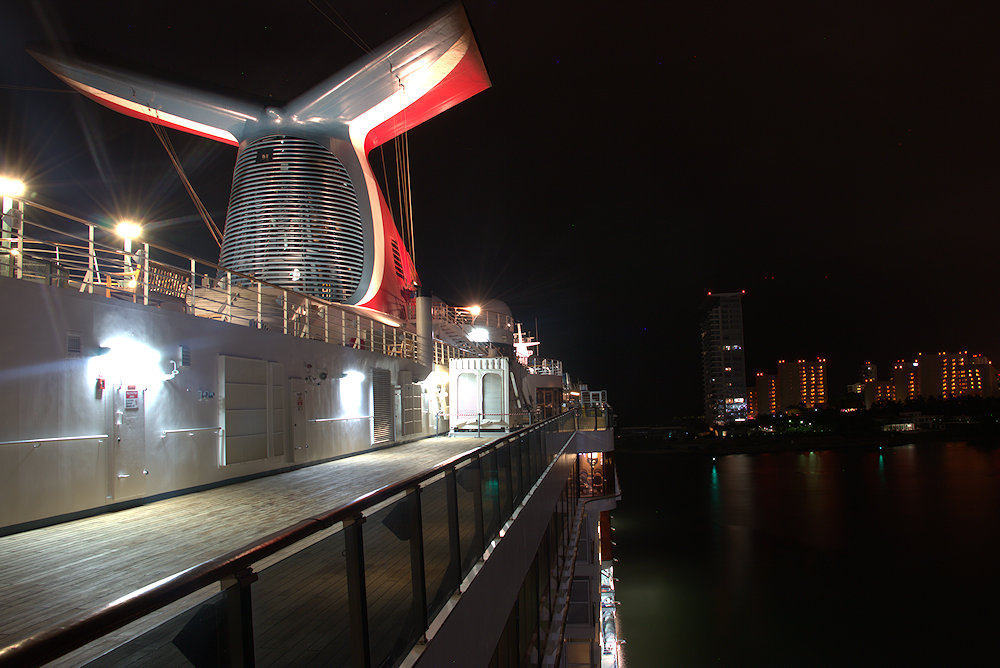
(722,358)
(948,375)
(753,409)
(906,380)
(802,382)
(767,394)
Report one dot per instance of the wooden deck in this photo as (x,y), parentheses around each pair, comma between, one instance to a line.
(55,573)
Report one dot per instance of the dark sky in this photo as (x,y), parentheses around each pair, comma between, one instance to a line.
(837,160)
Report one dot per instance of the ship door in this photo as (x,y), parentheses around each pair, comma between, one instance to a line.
(128,463)
(301,415)
(548,399)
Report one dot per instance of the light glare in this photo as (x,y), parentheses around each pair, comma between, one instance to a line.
(127,229)
(11,187)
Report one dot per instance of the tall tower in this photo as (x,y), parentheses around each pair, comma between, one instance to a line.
(305,211)
(722,358)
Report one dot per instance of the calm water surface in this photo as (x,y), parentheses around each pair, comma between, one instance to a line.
(860,557)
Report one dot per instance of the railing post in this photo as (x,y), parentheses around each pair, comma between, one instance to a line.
(343,327)
(357,597)
(260,314)
(229,297)
(92,258)
(145,274)
(326,324)
(384,351)
(284,311)
(453,574)
(239,618)
(418,585)
(194,282)
(305,328)
(477,504)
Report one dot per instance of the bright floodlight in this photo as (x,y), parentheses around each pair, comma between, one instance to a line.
(474,310)
(11,187)
(128,230)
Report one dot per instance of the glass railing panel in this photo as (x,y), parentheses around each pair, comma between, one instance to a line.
(392,625)
(196,637)
(516,473)
(504,482)
(300,608)
(468,488)
(491,495)
(440,571)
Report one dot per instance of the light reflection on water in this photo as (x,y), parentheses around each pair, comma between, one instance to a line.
(839,557)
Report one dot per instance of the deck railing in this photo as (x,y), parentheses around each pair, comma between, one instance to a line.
(91,259)
(363,590)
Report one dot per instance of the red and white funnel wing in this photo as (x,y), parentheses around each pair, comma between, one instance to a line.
(205,114)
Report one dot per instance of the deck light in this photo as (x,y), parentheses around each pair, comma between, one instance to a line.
(11,187)
(474,310)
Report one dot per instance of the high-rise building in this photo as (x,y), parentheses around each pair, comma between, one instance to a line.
(802,382)
(906,380)
(948,375)
(722,357)
(768,402)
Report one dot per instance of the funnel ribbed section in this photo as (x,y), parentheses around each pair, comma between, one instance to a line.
(294,220)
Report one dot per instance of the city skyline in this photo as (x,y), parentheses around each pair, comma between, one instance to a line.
(817,158)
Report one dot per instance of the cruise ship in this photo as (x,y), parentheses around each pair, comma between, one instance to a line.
(294,455)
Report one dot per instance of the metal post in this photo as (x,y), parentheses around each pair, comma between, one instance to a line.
(229,297)
(453,574)
(476,470)
(194,282)
(418,585)
(145,274)
(384,351)
(19,215)
(308,315)
(357,597)
(92,259)
(238,622)
(260,309)
(326,323)
(284,311)
(343,327)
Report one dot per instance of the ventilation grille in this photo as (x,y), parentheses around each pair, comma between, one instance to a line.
(396,261)
(73,348)
(185,355)
(382,405)
(294,220)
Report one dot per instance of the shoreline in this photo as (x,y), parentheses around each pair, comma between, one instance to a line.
(748,445)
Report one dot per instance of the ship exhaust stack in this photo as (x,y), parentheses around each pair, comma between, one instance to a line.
(305,211)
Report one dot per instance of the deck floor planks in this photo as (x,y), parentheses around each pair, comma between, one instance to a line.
(52,574)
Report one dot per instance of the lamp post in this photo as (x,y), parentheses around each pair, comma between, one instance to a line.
(12,191)
(129,230)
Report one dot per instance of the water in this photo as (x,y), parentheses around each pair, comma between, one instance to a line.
(856,557)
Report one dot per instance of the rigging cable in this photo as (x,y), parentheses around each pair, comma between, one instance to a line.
(401,144)
(161,134)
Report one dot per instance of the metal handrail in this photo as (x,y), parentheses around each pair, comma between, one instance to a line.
(164,432)
(52,643)
(343,419)
(85,254)
(55,439)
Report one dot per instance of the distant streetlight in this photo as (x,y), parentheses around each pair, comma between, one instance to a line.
(12,188)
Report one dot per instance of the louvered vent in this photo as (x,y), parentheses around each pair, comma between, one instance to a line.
(396,261)
(73,347)
(294,220)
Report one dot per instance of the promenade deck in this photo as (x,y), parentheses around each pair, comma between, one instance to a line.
(55,573)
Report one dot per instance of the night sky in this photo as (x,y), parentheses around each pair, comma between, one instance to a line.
(838,161)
